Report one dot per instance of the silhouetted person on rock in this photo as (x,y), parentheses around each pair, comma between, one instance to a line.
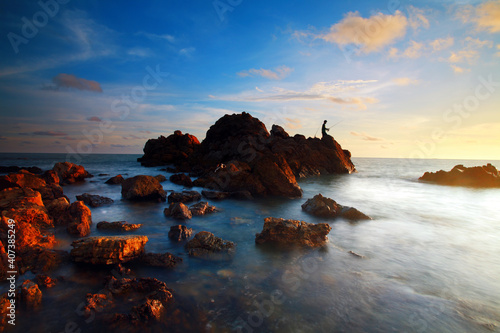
(324,129)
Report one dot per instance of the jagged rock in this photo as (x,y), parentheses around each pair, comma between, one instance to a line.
(292,232)
(202,208)
(94,200)
(184,196)
(181,179)
(479,176)
(117,226)
(116,180)
(174,149)
(159,260)
(30,295)
(22,179)
(143,188)
(80,219)
(108,250)
(5,312)
(178,210)
(180,232)
(328,208)
(46,281)
(70,173)
(161,178)
(97,303)
(205,244)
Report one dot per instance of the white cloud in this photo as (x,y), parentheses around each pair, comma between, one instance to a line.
(413,51)
(442,44)
(370,34)
(405,81)
(278,73)
(486,16)
(417,18)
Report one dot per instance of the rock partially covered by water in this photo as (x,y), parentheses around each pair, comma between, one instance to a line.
(30,295)
(292,232)
(159,259)
(479,176)
(143,188)
(206,245)
(178,211)
(202,208)
(184,196)
(180,232)
(117,226)
(108,250)
(328,208)
(79,219)
(116,180)
(70,173)
(174,149)
(94,200)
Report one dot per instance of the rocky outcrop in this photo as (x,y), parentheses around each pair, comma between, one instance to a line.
(184,196)
(108,250)
(179,232)
(328,208)
(94,200)
(117,226)
(202,208)
(167,260)
(479,176)
(79,219)
(292,232)
(174,149)
(30,295)
(48,189)
(116,180)
(70,173)
(181,179)
(206,245)
(143,188)
(178,210)
(239,154)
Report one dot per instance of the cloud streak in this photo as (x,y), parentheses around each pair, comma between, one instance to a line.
(70,81)
(278,73)
(366,137)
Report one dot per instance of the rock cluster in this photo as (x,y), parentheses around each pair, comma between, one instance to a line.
(479,176)
(180,211)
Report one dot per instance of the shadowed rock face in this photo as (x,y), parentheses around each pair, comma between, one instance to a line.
(207,245)
(328,208)
(292,232)
(143,188)
(479,176)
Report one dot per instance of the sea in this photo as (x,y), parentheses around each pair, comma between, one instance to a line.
(428,261)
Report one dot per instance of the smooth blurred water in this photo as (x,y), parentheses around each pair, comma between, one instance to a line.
(431,255)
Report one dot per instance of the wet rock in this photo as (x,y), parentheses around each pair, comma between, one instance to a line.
(108,250)
(22,179)
(161,178)
(159,260)
(30,295)
(58,209)
(206,244)
(96,303)
(51,177)
(143,188)
(79,219)
(117,226)
(292,232)
(479,176)
(149,311)
(184,196)
(328,208)
(181,179)
(351,213)
(4,311)
(94,200)
(216,195)
(70,173)
(41,260)
(178,210)
(116,180)
(202,208)
(180,232)
(174,149)
(45,281)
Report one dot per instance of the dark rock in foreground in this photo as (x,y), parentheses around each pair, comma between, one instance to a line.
(179,232)
(94,200)
(292,232)
(143,188)
(207,245)
(479,176)
(181,179)
(117,226)
(108,250)
(328,208)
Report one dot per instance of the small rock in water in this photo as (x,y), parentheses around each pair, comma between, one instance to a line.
(118,226)
(356,254)
(180,232)
(94,200)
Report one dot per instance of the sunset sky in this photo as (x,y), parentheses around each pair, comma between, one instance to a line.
(396,78)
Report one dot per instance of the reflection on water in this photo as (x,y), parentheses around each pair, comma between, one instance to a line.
(430,263)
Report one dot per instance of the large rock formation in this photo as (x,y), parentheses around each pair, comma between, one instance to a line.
(479,176)
(292,232)
(108,250)
(328,208)
(239,154)
(143,188)
(70,173)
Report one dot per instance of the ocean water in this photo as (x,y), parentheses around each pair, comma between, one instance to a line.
(431,256)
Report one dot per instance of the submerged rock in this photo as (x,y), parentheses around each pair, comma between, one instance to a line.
(292,232)
(202,208)
(479,176)
(108,250)
(184,196)
(143,188)
(178,210)
(328,208)
(94,200)
(117,226)
(70,173)
(159,259)
(206,244)
(116,180)
(161,178)
(179,232)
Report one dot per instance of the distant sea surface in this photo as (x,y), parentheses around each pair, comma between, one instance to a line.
(431,255)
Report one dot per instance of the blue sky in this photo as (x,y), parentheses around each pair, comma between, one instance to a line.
(401,78)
